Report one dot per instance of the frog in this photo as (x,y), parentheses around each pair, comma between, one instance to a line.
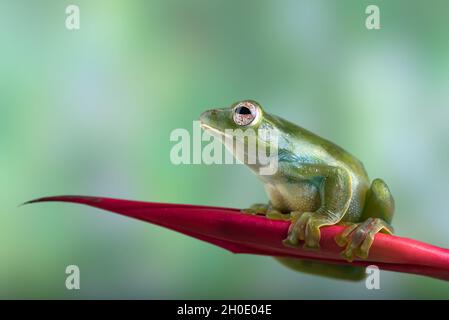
(316,184)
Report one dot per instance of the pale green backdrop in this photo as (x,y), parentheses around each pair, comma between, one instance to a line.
(90,112)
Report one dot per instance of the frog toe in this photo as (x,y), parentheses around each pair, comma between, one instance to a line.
(312,236)
(293,237)
(353,250)
(342,239)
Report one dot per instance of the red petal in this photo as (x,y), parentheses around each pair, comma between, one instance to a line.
(242,233)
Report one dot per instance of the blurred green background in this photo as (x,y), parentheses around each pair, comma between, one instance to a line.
(90,112)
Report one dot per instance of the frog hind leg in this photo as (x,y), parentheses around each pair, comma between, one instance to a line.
(379,202)
(357,238)
(335,271)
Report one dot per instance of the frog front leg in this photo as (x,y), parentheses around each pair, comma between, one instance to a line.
(336,193)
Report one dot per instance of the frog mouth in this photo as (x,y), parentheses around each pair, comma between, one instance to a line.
(211,130)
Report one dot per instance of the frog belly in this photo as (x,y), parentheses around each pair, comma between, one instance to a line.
(300,196)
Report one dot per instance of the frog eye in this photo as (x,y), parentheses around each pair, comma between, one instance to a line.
(245,113)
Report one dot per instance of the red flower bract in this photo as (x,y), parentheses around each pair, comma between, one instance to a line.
(242,233)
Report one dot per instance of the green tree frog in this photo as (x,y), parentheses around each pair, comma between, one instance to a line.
(316,184)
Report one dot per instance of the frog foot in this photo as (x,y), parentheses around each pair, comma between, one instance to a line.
(277,215)
(305,226)
(266,210)
(357,238)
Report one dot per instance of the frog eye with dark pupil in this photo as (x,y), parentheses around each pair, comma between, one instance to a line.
(242,110)
(245,113)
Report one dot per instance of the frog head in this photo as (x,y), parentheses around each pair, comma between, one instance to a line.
(246,130)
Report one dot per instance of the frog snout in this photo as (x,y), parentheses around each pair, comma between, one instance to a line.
(206,116)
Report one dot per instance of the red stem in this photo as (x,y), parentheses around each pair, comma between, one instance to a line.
(242,233)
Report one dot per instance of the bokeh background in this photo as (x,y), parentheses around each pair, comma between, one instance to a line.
(90,112)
